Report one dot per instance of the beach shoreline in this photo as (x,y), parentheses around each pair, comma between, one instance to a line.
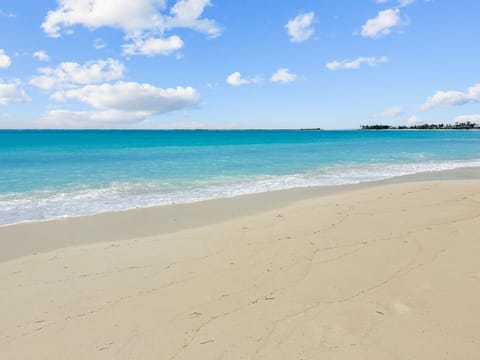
(377,271)
(32,237)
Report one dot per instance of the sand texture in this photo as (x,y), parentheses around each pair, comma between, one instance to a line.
(390,271)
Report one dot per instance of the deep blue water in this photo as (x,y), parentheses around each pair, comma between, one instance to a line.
(53,173)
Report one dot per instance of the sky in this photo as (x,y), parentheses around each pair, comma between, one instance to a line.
(333,64)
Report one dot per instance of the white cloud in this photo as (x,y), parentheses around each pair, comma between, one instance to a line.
(41,55)
(69,74)
(130,16)
(235,79)
(153,46)
(472,118)
(6,14)
(401,3)
(11,92)
(356,64)
(119,105)
(301,27)
(382,24)
(282,75)
(393,111)
(99,44)
(445,98)
(135,97)
(90,119)
(187,13)
(5,61)
(452,98)
(404,3)
(142,21)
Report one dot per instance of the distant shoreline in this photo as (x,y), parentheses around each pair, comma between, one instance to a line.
(456,126)
(363,127)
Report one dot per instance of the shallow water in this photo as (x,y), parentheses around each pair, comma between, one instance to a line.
(54,173)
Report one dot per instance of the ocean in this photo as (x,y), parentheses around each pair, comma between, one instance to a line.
(47,174)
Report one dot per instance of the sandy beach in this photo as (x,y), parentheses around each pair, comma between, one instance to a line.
(379,271)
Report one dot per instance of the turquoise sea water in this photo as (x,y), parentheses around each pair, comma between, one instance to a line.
(48,174)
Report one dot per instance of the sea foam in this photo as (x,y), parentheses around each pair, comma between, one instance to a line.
(38,205)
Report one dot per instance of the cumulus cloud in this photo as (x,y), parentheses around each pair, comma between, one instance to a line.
(11,92)
(187,14)
(142,21)
(355,64)
(382,24)
(5,61)
(300,28)
(153,46)
(282,75)
(236,79)
(112,104)
(474,118)
(393,111)
(452,98)
(41,55)
(135,97)
(127,15)
(69,74)
(120,104)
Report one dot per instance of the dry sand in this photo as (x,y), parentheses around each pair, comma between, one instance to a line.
(390,271)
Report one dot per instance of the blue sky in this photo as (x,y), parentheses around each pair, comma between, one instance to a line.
(237,64)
